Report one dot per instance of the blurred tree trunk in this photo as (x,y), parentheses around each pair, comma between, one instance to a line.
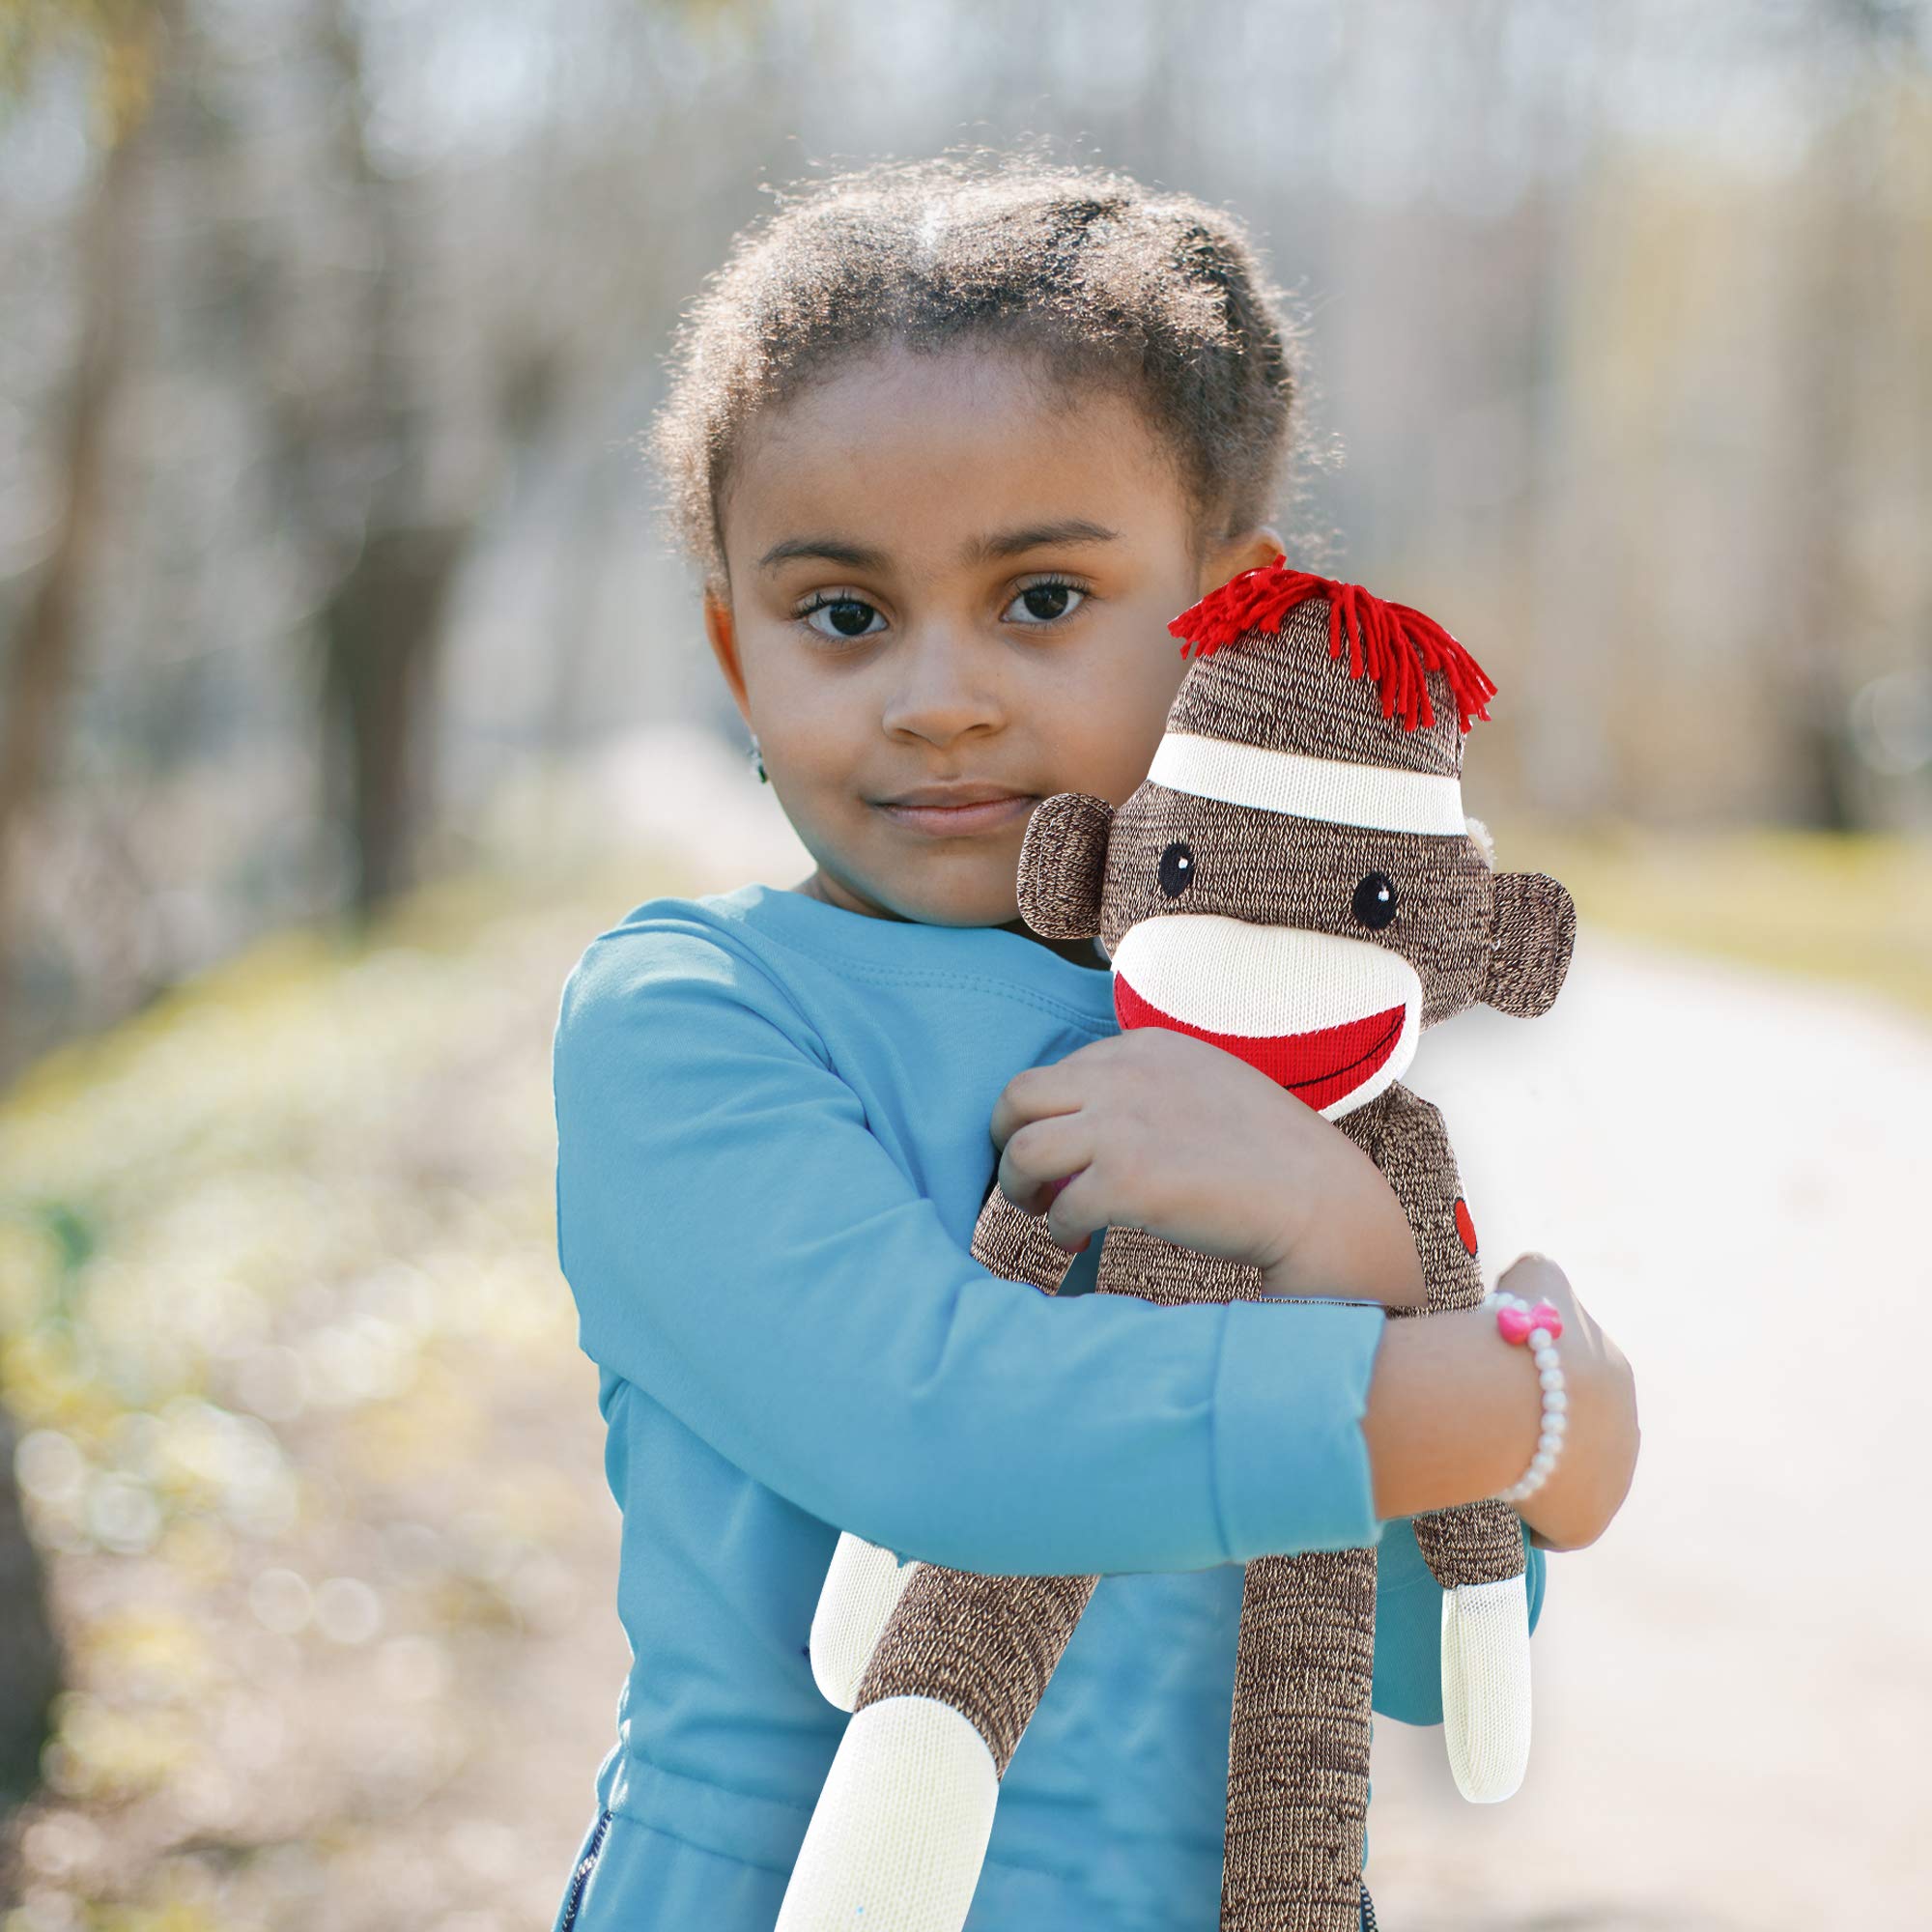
(381,623)
(380,630)
(38,668)
(30,1670)
(128,43)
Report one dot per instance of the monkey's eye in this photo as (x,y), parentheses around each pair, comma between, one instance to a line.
(1177,869)
(1376,901)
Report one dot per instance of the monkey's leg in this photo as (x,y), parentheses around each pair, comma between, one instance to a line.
(899,1837)
(863,1582)
(1298,1748)
(1475,1553)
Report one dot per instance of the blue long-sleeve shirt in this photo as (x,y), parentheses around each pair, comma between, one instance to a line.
(773,1146)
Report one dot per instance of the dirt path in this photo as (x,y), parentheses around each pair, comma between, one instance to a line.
(1734,1685)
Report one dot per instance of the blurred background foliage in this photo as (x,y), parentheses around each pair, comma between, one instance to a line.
(326,557)
(343,675)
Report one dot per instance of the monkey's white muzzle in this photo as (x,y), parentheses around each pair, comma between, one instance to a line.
(1334,1020)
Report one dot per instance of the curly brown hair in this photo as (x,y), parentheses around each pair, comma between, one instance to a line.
(1098,278)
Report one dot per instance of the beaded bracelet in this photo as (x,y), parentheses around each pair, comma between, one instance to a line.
(1536,1327)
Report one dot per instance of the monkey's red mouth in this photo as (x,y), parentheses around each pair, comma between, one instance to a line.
(1320,1068)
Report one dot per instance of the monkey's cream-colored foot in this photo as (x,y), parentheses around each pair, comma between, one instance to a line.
(863,1586)
(1486,1686)
(899,1834)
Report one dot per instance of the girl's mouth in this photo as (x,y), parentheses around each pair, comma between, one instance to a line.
(954,821)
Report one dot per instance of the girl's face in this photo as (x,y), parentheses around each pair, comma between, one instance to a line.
(950,588)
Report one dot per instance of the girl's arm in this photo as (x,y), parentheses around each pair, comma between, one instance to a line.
(1162,1131)
(742,1248)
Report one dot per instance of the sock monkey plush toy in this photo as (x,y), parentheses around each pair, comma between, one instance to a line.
(1295,883)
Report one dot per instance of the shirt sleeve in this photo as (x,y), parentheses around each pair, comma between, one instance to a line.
(742,1248)
(1409,1624)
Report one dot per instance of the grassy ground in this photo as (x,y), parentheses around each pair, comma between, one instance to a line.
(308,1441)
(305,1432)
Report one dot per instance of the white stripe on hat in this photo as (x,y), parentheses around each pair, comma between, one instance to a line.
(1376,796)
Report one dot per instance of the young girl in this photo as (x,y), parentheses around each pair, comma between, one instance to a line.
(951,442)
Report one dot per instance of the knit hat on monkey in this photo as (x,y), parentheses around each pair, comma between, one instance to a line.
(1329,942)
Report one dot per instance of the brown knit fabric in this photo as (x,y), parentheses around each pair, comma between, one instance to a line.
(1535,934)
(1272,869)
(1135,1261)
(1287,693)
(1298,1743)
(1403,1134)
(1477,1543)
(1062,859)
(1017,1246)
(984,1646)
(1298,1738)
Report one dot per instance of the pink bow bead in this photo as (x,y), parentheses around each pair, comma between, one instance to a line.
(1514,1325)
(1545,1316)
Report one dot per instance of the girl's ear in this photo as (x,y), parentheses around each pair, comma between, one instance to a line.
(1247,552)
(1064,865)
(722,633)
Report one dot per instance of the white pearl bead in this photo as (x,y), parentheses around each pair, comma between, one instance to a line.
(1551,1379)
(1545,1357)
(1539,1338)
(1549,1445)
(1541,1460)
(1556,1399)
(1555,1425)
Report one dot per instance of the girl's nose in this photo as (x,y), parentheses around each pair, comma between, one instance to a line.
(943,688)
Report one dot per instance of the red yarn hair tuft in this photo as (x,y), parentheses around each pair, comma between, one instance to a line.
(1390,642)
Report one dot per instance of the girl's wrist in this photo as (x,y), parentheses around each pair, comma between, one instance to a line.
(1536,1326)
(1451,1416)
(1354,1242)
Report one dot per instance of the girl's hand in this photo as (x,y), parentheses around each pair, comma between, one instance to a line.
(1452,1415)
(1593,1473)
(1162,1131)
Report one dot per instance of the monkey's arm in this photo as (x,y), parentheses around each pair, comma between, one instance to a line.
(1477,1552)
(863,1582)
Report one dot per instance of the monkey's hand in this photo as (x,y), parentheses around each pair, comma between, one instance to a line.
(1486,1686)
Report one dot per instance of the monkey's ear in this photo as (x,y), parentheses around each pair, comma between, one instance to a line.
(1530,943)
(1062,865)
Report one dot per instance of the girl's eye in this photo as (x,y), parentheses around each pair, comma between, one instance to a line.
(1046,602)
(846,618)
